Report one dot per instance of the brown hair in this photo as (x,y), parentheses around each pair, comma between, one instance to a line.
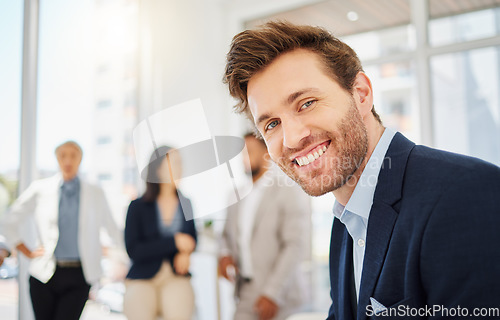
(252,50)
(150,173)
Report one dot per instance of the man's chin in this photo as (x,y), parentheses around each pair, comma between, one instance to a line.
(318,186)
(317,191)
(314,185)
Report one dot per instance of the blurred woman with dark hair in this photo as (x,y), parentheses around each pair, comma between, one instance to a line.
(159,241)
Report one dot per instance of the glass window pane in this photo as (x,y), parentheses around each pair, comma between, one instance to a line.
(396,96)
(375,44)
(442,8)
(466,103)
(88,93)
(65,74)
(11,35)
(464,27)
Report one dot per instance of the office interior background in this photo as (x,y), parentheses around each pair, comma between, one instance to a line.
(91,70)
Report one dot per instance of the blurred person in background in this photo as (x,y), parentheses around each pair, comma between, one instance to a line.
(4,202)
(265,241)
(4,250)
(69,214)
(159,241)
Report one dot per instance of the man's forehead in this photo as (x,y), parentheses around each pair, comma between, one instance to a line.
(288,73)
(68,148)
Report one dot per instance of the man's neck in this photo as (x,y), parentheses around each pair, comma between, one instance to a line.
(344,193)
(69,178)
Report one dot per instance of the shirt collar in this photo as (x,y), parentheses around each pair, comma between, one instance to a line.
(361,199)
(71,185)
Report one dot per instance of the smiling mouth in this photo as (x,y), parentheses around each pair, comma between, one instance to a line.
(312,156)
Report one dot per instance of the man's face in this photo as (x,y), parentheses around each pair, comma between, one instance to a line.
(256,156)
(311,125)
(69,158)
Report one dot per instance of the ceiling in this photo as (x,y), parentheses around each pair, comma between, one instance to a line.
(371,14)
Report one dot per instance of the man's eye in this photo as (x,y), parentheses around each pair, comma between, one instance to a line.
(271,125)
(306,105)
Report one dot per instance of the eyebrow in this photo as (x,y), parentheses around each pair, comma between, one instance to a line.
(294,96)
(263,117)
(289,100)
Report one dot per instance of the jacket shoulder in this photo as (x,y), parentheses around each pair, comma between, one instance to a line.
(437,165)
(137,203)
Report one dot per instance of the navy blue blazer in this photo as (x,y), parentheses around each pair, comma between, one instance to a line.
(433,238)
(146,246)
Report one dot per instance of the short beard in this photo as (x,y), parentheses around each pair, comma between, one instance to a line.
(350,141)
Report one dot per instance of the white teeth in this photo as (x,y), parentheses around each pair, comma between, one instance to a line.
(303,161)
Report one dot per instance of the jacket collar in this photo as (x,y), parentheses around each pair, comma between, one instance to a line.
(383,216)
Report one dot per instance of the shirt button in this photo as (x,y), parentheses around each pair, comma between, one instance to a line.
(361,242)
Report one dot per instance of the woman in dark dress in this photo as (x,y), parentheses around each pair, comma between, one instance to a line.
(159,241)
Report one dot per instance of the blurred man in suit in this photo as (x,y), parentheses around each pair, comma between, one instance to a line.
(69,214)
(266,238)
(415,228)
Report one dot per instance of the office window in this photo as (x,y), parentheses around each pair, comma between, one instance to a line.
(442,8)
(466,102)
(11,36)
(84,79)
(380,43)
(396,96)
(464,27)
(65,74)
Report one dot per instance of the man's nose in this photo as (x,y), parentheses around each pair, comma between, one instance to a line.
(294,130)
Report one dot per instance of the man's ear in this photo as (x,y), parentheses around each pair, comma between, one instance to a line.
(363,94)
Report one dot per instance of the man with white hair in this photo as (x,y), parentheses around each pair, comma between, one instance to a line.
(66,260)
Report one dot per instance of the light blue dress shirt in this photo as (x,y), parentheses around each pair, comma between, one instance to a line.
(69,207)
(357,211)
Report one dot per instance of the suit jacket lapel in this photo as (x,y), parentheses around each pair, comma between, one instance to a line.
(340,271)
(383,216)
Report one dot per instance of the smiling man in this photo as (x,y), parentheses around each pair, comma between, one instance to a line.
(414,227)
